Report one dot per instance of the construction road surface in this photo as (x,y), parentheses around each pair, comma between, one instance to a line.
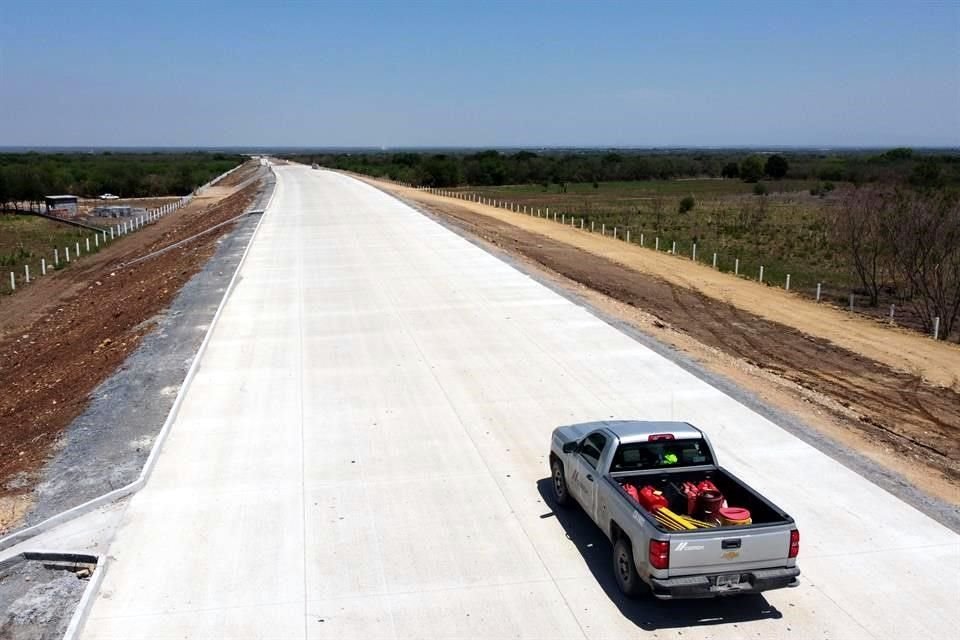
(362,454)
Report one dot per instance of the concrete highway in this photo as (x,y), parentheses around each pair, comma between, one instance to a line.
(362,454)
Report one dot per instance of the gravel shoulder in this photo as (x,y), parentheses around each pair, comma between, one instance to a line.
(905,427)
(93,375)
(37,598)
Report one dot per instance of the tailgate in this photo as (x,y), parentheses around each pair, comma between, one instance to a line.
(729,549)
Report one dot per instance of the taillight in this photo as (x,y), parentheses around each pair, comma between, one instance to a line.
(794,543)
(659,554)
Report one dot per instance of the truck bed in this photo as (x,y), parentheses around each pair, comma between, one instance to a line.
(735,491)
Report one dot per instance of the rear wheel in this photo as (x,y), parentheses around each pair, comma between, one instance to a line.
(624,569)
(560,492)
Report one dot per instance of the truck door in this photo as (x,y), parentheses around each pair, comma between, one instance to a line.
(586,476)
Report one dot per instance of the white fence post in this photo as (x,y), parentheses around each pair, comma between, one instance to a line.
(736,266)
(673,249)
(628,235)
(26,273)
(656,244)
(56,257)
(787,287)
(88,244)
(818,292)
(13,282)
(96,240)
(694,251)
(603,229)
(891,313)
(936,328)
(43,266)
(581,224)
(77,245)
(851,302)
(714,260)
(66,251)
(614,233)
(641,239)
(761,274)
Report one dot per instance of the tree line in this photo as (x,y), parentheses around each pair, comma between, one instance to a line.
(28,177)
(495,168)
(904,243)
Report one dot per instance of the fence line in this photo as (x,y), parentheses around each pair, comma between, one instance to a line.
(124,227)
(560,217)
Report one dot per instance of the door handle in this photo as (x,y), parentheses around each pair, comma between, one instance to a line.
(589,477)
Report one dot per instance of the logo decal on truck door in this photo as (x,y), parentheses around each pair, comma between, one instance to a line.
(686,546)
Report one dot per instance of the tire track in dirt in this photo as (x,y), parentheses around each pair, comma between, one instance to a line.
(916,419)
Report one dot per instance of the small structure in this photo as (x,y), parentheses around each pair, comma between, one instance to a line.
(118,211)
(113,211)
(61,205)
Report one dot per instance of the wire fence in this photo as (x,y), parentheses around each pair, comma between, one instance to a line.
(707,254)
(62,257)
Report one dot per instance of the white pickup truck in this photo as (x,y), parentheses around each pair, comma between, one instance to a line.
(604,465)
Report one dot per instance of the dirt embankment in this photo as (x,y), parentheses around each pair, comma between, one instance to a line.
(906,422)
(68,333)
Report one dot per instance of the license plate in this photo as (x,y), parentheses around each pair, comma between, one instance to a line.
(728,581)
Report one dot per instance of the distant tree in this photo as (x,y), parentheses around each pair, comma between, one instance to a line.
(730,170)
(924,232)
(927,175)
(687,204)
(862,226)
(900,153)
(776,166)
(751,169)
(760,189)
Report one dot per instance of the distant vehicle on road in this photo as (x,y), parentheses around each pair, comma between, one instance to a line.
(109,196)
(681,526)
(315,166)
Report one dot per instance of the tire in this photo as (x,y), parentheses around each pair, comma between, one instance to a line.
(625,570)
(561,493)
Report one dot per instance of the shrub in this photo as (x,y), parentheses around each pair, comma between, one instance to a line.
(687,204)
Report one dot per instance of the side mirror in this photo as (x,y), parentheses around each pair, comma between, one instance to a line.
(569,447)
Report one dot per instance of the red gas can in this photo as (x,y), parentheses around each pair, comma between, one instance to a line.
(652,499)
(631,491)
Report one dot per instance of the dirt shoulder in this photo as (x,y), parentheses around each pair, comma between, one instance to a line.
(934,362)
(62,337)
(859,399)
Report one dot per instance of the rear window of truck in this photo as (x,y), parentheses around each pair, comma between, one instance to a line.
(664,454)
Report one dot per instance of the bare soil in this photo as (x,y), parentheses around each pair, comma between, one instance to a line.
(65,334)
(890,413)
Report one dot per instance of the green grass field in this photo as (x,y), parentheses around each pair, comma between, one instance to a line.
(786,231)
(25,240)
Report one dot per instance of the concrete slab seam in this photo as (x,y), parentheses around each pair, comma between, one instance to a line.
(886,479)
(86,601)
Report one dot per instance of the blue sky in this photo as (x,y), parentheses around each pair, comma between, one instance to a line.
(474,74)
